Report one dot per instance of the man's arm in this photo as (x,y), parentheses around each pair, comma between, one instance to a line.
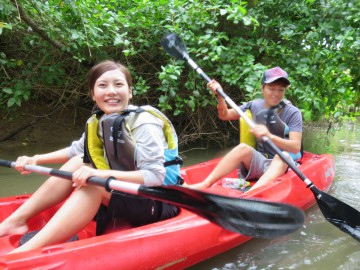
(224,112)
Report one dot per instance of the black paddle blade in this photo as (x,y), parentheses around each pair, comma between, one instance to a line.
(338,213)
(174,46)
(248,217)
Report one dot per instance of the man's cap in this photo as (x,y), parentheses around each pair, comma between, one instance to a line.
(274,74)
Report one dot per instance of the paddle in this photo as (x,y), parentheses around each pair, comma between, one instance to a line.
(253,218)
(335,211)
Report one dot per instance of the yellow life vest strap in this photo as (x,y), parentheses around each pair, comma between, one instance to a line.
(94,144)
(245,135)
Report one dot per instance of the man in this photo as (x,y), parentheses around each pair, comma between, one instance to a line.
(276,119)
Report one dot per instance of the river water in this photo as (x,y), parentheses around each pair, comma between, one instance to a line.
(317,245)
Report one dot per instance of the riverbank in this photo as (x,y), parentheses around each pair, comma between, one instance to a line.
(41,125)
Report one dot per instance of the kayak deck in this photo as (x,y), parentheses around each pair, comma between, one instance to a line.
(175,243)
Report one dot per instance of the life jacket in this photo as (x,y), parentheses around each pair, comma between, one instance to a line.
(120,146)
(271,119)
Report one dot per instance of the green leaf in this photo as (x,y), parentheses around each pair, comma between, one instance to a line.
(307,116)
(7,90)
(223,11)
(10,102)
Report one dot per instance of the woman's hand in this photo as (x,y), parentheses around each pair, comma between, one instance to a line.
(81,176)
(22,161)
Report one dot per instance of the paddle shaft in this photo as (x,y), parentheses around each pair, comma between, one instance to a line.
(111,184)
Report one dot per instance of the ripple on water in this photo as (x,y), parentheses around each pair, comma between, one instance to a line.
(352,263)
(347,179)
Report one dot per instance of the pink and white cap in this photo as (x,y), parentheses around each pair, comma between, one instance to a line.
(274,74)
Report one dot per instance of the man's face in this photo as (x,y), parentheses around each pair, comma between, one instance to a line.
(273,93)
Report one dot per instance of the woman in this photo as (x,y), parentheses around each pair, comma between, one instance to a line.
(110,85)
(276,119)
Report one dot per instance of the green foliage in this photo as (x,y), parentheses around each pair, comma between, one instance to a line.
(319,49)
(317,42)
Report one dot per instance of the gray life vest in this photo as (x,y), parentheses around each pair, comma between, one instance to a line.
(271,119)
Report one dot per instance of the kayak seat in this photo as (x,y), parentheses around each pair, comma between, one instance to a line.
(26,237)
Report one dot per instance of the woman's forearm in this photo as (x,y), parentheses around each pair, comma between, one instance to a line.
(59,156)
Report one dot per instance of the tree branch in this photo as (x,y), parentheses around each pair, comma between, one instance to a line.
(37,30)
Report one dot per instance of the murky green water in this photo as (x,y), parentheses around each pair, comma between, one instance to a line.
(318,245)
(13,183)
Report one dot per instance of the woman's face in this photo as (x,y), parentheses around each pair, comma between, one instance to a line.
(273,93)
(112,92)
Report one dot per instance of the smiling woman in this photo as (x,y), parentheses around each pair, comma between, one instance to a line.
(113,89)
(110,84)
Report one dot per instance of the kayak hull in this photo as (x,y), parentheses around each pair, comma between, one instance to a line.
(175,243)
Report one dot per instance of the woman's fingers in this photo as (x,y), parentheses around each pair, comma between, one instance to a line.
(81,176)
(21,162)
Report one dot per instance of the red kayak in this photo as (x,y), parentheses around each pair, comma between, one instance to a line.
(175,243)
